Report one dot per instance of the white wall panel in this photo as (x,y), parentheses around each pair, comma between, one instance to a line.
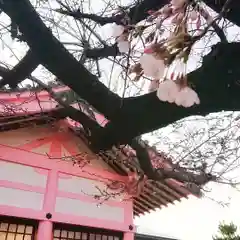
(80,185)
(20,198)
(21,174)
(86,209)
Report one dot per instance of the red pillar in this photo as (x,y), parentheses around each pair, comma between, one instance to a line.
(45,227)
(51,192)
(45,230)
(128,236)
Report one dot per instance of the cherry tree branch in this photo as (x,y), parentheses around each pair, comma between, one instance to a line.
(96,53)
(140,11)
(161,174)
(136,13)
(216,83)
(89,125)
(103,52)
(78,15)
(232,11)
(131,117)
(21,71)
(144,160)
(212,23)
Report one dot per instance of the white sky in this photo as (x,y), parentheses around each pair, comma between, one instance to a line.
(191,219)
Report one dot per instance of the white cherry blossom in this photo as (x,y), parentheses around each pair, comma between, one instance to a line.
(151,66)
(187,97)
(167,91)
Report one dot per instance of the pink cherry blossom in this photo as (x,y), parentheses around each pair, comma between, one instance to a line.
(166,11)
(193,15)
(176,4)
(167,91)
(151,66)
(148,50)
(187,97)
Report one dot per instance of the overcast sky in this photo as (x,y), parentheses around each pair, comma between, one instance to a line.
(192,219)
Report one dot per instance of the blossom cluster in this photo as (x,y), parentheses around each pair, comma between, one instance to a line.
(164,61)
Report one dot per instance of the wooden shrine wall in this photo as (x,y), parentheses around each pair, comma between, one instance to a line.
(38,181)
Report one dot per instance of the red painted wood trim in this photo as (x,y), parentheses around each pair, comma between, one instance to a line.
(90,222)
(128,213)
(22,212)
(51,192)
(45,230)
(15,155)
(13,96)
(21,186)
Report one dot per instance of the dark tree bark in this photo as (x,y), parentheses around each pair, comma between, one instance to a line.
(232,12)
(106,51)
(136,13)
(21,71)
(139,11)
(98,19)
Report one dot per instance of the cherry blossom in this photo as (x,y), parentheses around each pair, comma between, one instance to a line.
(193,15)
(151,66)
(173,88)
(187,97)
(178,69)
(176,4)
(121,38)
(164,61)
(167,91)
